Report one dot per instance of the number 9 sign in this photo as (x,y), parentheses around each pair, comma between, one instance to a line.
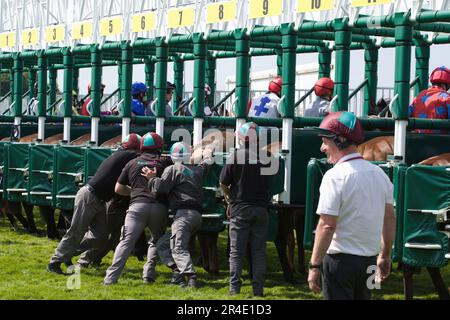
(265,8)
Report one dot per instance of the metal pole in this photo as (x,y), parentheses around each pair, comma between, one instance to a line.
(42,83)
(324,62)
(199,85)
(242,77)
(289,45)
(178,70)
(422,66)
(31,82)
(162,53)
(125,89)
(96,82)
(75,78)
(67,90)
(119,78)
(53,74)
(149,77)
(11,86)
(210,78)
(403,42)
(18,88)
(371,74)
(280,63)
(343,35)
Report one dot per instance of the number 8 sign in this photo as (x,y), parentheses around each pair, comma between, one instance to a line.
(221,12)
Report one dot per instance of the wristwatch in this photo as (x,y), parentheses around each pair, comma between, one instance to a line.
(314,266)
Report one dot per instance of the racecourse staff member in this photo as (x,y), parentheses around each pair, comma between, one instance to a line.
(90,206)
(356,215)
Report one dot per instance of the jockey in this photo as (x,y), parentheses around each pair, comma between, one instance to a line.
(84,110)
(434,102)
(265,106)
(138,104)
(207,111)
(323,89)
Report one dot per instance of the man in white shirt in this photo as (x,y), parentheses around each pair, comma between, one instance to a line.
(356,228)
(320,107)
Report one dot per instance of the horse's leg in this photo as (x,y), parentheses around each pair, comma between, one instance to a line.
(48,214)
(212,252)
(30,217)
(408,281)
(67,219)
(284,225)
(438,282)
(16,210)
(290,249)
(12,220)
(203,242)
(299,225)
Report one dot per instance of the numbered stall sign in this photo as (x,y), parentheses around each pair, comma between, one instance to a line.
(364,3)
(221,12)
(55,33)
(30,37)
(8,40)
(82,30)
(144,22)
(314,5)
(111,26)
(265,8)
(177,18)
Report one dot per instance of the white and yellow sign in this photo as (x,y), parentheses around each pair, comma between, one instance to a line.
(111,26)
(30,37)
(177,18)
(82,30)
(265,8)
(7,40)
(221,12)
(365,3)
(314,5)
(144,22)
(55,33)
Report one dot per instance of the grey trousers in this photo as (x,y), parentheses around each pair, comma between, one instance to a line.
(248,225)
(89,215)
(115,218)
(186,222)
(164,251)
(139,216)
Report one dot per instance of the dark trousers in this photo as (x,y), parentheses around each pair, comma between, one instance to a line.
(345,276)
(248,227)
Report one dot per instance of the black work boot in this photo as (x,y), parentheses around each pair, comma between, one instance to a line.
(54,267)
(192,281)
(177,279)
(148,280)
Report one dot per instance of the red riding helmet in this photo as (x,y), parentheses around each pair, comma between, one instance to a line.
(324,87)
(440,75)
(344,124)
(131,141)
(275,85)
